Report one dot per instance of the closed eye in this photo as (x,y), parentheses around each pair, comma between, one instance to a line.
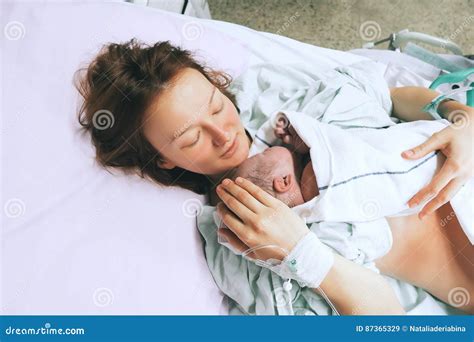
(199,134)
(197,139)
(220,109)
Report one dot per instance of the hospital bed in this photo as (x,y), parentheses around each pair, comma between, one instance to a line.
(77,239)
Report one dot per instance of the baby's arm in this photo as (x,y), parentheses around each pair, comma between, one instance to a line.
(285,131)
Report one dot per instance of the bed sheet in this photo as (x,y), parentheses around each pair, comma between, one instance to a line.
(77,239)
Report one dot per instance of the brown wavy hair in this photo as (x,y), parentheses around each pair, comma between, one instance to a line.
(117,87)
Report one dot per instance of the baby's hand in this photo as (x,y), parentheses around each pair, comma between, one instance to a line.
(285,131)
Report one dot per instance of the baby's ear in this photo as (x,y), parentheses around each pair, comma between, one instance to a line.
(282,184)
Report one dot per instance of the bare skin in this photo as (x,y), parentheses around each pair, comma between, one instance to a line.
(293,178)
(432,253)
(210,123)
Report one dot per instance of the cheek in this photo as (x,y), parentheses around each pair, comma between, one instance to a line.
(199,160)
(231,114)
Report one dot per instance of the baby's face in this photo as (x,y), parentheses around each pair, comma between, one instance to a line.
(276,170)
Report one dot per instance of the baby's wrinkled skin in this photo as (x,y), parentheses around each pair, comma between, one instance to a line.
(282,173)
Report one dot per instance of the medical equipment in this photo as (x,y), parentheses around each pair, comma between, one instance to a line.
(288,268)
(276,266)
(460,78)
(465,77)
(461,81)
(397,41)
(58,275)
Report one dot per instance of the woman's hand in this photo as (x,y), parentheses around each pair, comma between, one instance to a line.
(256,218)
(456,143)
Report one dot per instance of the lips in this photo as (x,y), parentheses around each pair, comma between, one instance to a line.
(230,151)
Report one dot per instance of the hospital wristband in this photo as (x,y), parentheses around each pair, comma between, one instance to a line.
(432,107)
(308,263)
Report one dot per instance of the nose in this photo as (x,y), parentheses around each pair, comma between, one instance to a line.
(219,136)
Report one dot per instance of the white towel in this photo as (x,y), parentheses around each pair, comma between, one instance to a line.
(361,175)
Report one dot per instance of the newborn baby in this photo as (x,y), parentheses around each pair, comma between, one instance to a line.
(286,175)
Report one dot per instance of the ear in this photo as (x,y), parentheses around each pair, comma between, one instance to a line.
(166,164)
(282,184)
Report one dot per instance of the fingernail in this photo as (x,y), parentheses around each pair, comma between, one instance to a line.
(421,216)
(222,239)
(408,153)
(226,181)
(239,180)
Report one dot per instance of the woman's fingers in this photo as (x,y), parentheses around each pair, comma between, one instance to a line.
(240,205)
(439,181)
(262,196)
(444,196)
(238,233)
(435,142)
(238,200)
(231,220)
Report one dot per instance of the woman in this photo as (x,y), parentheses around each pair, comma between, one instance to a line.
(175,122)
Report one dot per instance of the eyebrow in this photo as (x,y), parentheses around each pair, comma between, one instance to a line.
(184,131)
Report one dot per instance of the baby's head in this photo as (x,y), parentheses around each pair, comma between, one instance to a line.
(277,171)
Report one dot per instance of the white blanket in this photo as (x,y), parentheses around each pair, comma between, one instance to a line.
(362,177)
(351,97)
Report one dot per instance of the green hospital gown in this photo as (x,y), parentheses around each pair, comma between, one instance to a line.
(348,96)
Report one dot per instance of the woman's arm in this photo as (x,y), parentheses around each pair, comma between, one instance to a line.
(455,142)
(255,218)
(408,103)
(355,290)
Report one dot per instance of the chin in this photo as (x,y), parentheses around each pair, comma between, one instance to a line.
(241,155)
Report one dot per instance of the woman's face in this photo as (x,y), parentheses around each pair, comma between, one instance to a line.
(192,124)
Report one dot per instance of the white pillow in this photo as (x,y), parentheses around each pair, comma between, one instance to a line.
(78,240)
